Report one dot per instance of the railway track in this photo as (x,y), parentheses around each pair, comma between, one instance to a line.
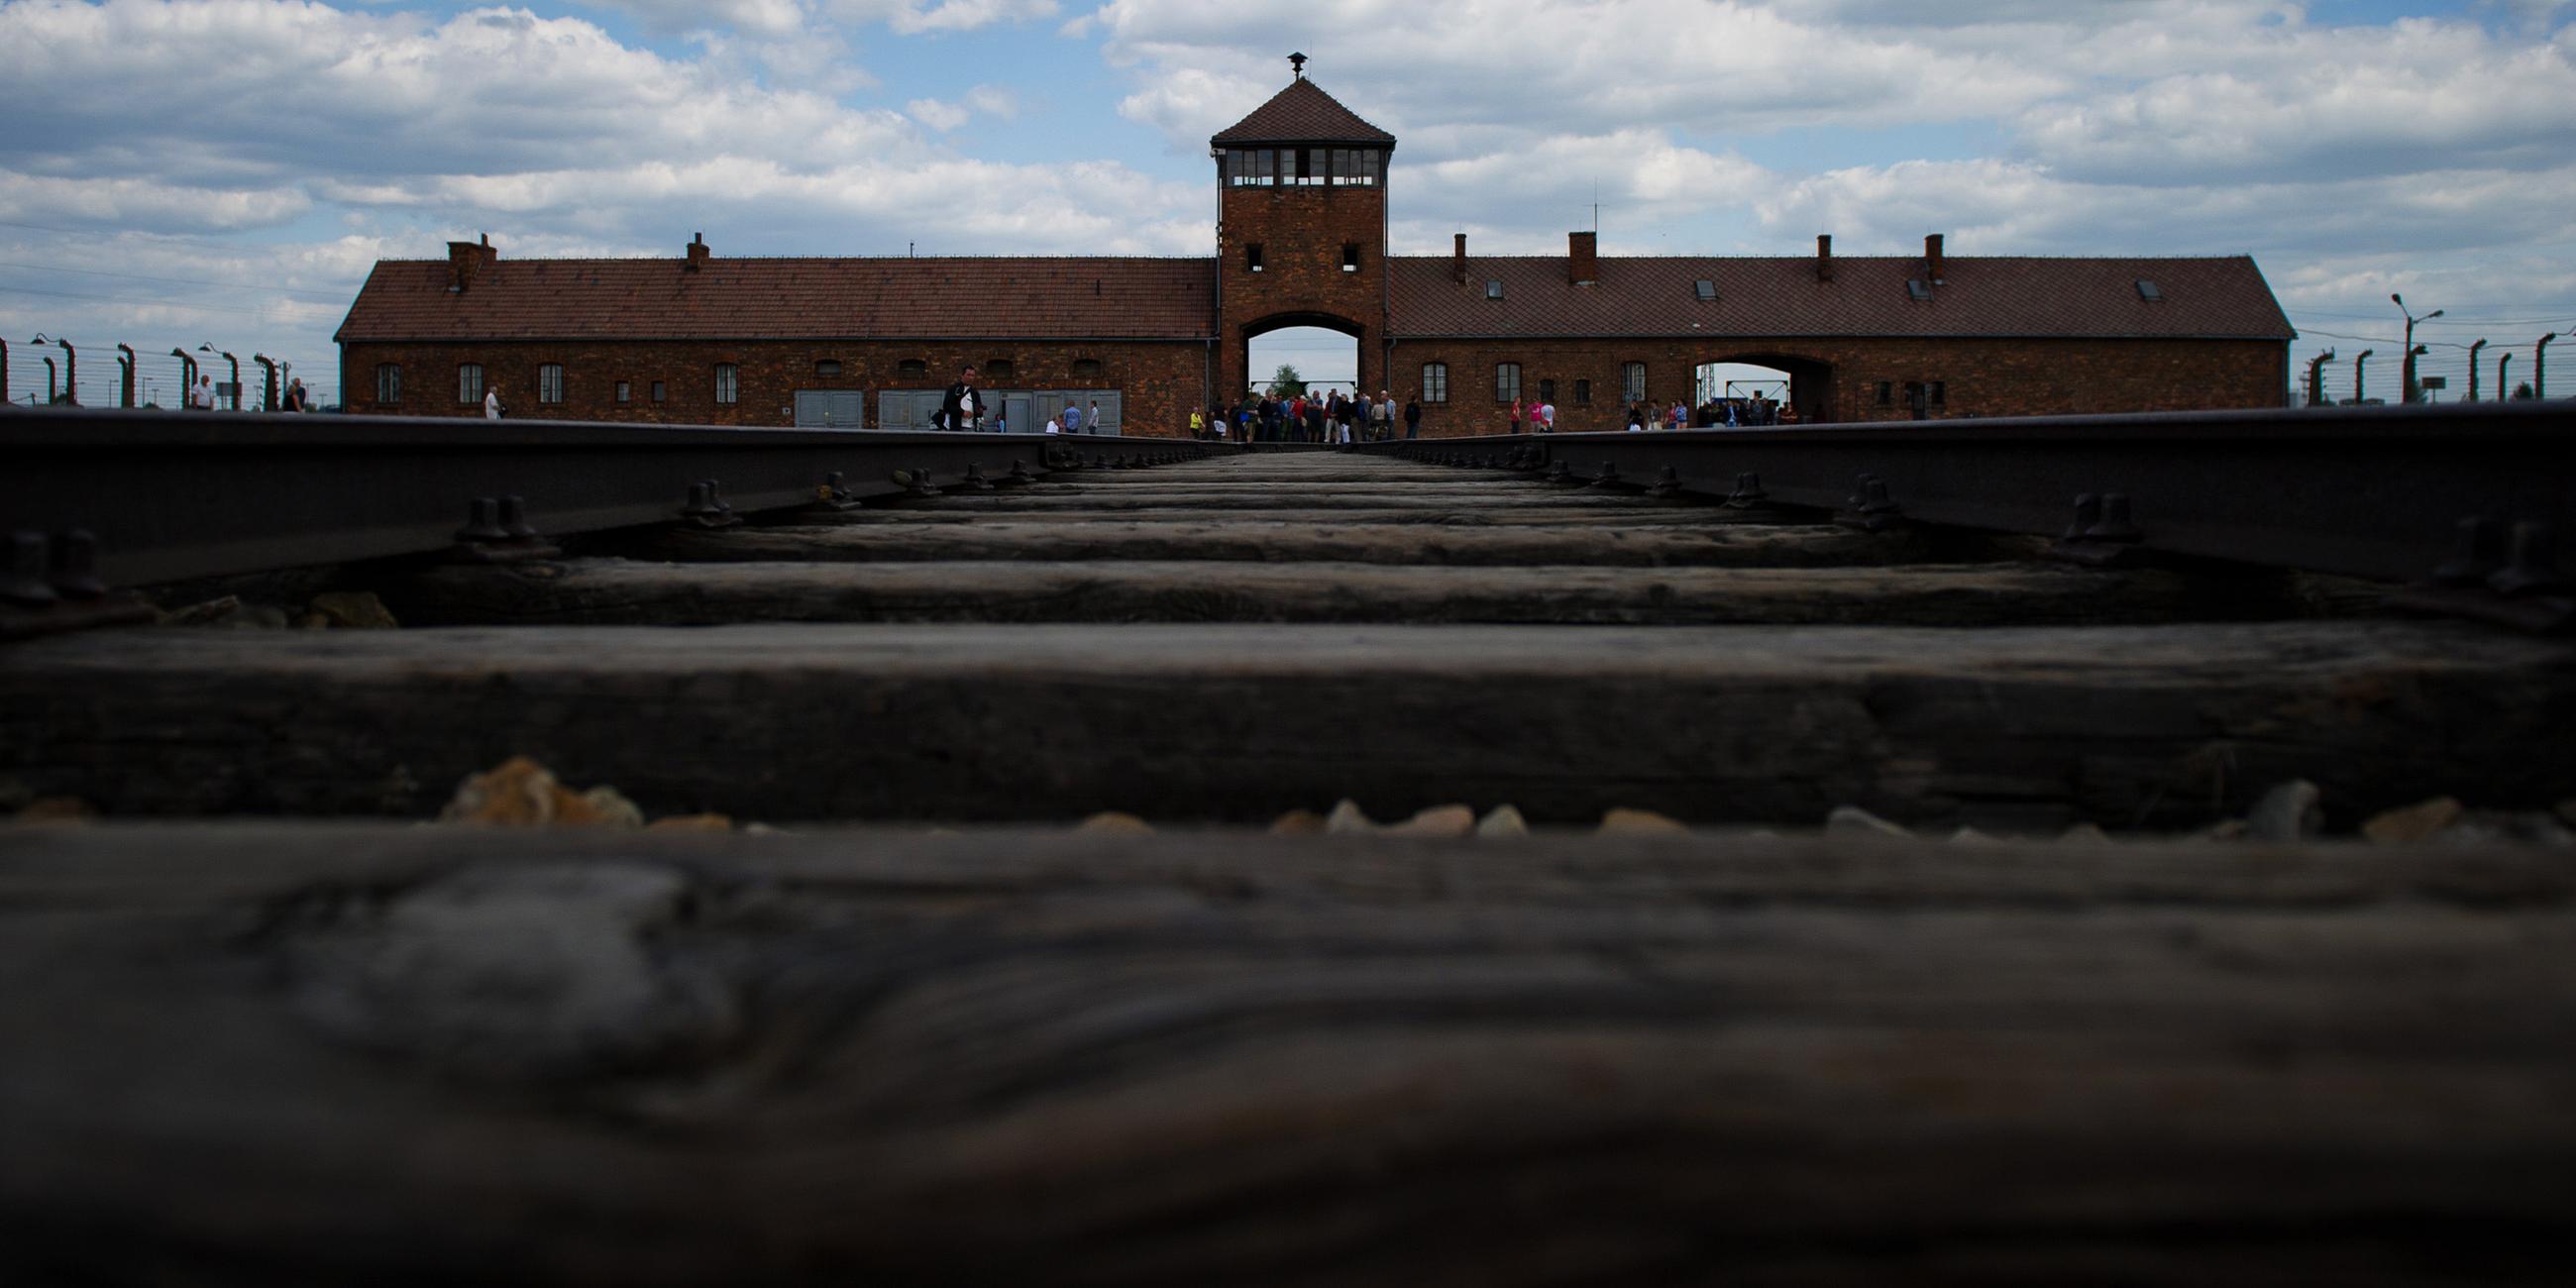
(2013,1016)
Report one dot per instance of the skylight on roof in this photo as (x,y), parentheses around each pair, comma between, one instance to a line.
(2147,291)
(1704,289)
(1915,288)
(1494,288)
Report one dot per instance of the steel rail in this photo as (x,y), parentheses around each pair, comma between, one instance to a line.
(173,495)
(2370,492)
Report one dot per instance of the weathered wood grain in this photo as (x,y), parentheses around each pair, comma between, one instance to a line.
(619,592)
(2157,726)
(1746,545)
(442,1056)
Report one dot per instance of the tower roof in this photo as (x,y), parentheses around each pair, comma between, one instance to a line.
(1301,113)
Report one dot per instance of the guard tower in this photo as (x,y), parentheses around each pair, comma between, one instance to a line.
(1301,231)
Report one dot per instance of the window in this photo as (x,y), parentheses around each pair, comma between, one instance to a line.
(1582,391)
(1940,394)
(1250,168)
(469,382)
(657,391)
(1310,166)
(2148,291)
(912,368)
(1547,391)
(388,382)
(1252,257)
(1886,394)
(1435,382)
(1494,289)
(1350,257)
(625,392)
(550,382)
(1704,289)
(1086,369)
(1632,382)
(1354,167)
(1917,291)
(1507,381)
(997,368)
(728,390)
(827,369)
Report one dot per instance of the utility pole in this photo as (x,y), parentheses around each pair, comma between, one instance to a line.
(2358,360)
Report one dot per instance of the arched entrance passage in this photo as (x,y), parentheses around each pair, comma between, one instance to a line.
(1328,351)
(1790,379)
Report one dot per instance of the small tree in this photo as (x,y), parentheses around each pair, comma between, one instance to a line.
(2523,390)
(1286,383)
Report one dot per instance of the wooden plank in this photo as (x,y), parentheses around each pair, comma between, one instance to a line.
(2157,726)
(438,1055)
(1500,545)
(619,592)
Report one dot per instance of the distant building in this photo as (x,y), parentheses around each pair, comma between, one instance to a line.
(1302,242)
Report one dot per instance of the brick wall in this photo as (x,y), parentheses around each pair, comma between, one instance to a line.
(1838,379)
(1301,232)
(1160,381)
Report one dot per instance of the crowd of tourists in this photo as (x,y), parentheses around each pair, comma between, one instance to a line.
(1299,418)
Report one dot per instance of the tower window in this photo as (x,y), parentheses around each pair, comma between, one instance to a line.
(1350,257)
(1252,257)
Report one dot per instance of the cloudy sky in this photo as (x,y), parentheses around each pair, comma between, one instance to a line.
(225,171)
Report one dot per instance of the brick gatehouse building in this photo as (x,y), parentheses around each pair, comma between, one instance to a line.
(1301,241)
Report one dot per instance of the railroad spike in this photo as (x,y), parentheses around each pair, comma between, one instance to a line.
(1560,473)
(1875,501)
(706,507)
(75,565)
(2532,566)
(483,522)
(921,484)
(2088,511)
(2114,524)
(1860,492)
(1020,471)
(1666,483)
(514,519)
(1748,492)
(30,558)
(2481,553)
(1608,477)
(975,480)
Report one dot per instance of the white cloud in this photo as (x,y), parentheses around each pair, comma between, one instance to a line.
(937,115)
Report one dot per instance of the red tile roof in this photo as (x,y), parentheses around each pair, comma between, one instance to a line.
(1868,297)
(1301,113)
(747,299)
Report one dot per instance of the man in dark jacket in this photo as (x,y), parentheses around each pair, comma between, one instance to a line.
(963,406)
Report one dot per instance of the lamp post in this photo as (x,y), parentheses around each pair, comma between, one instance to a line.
(2357,361)
(268,400)
(2317,378)
(125,375)
(187,379)
(2473,368)
(2406,386)
(71,368)
(2540,366)
(209,348)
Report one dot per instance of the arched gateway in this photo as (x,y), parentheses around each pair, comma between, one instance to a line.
(1301,229)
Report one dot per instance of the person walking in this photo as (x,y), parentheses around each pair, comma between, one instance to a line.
(1413,416)
(491,403)
(962,406)
(1546,417)
(1072,419)
(1198,425)
(1516,414)
(1092,417)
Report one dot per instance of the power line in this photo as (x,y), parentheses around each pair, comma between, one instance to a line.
(117,299)
(176,281)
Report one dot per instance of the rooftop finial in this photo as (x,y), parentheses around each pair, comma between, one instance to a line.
(1297,64)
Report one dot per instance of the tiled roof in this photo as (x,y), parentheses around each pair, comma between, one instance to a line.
(1868,297)
(1301,113)
(746,299)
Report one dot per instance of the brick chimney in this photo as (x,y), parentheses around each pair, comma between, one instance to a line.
(1458,260)
(1583,258)
(1824,257)
(467,260)
(1932,265)
(697,252)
